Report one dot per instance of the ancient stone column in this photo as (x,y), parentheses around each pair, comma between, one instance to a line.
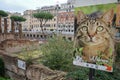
(20,30)
(12,27)
(5,25)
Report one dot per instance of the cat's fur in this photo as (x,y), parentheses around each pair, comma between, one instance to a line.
(95,35)
(118,15)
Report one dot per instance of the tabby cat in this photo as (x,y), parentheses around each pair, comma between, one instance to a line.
(95,35)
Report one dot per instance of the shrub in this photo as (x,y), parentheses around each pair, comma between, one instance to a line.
(2,68)
(102,75)
(57,53)
(118,52)
(1,78)
(82,74)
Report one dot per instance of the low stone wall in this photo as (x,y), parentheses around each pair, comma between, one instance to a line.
(9,45)
(11,67)
(31,72)
(14,45)
(6,36)
(40,72)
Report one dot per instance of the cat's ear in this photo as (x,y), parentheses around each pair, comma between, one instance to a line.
(80,16)
(108,16)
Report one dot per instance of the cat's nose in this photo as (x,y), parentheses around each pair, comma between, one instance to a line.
(91,35)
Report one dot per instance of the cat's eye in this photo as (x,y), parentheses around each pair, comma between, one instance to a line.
(84,28)
(100,28)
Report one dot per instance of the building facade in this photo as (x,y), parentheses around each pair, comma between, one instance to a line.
(66,21)
(62,23)
(66,24)
(32,25)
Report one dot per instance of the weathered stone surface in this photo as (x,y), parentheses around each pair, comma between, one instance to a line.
(14,45)
(15,76)
(6,36)
(41,72)
(33,72)
(9,45)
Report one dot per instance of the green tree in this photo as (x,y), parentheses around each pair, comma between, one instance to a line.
(17,19)
(43,17)
(2,14)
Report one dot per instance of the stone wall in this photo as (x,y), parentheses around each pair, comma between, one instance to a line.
(38,35)
(41,72)
(9,45)
(12,69)
(6,36)
(14,45)
(32,72)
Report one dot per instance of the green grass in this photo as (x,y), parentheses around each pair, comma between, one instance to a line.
(29,54)
(94,8)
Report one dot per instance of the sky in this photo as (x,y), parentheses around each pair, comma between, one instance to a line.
(22,5)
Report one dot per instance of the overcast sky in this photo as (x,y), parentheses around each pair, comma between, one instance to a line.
(22,5)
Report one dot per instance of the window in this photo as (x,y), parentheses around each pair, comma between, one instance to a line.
(37,36)
(27,35)
(69,30)
(72,30)
(34,35)
(41,36)
(69,38)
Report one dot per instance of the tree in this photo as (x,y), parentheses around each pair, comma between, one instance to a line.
(43,17)
(2,14)
(17,19)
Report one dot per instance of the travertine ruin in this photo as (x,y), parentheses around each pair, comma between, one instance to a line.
(14,45)
(10,45)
